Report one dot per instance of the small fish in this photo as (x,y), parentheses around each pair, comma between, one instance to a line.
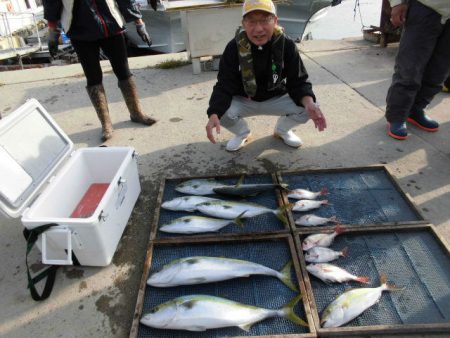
(321,239)
(305,205)
(300,194)
(198,224)
(311,220)
(320,254)
(185,203)
(198,186)
(231,209)
(244,190)
(199,270)
(330,273)
(352,303)
(203,312)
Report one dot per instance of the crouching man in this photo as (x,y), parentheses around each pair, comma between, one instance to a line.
(261,73)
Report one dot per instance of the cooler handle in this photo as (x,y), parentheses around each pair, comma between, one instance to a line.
(60,235)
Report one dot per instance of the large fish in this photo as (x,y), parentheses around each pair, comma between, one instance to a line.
(305,205)
(244,190)
(330,273)
(301,194)
(198,224)
(321,239)
(320,254)
(202,312)
(352,303)
(231,209)
(185,203)
(311,220)
(198,186)
(199,270)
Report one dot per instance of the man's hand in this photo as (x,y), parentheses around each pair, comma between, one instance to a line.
(142,32)
(398,15)
(316,115)
(53,41)
(213,122)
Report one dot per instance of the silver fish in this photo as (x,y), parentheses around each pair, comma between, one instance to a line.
(352,303)
(305,205)
(198,186)
(306,194)
(311,220)
(320,254)
(230,209)
(334,274)
(198,224)
(244,190)
(321,239)
(203,312)
(200,269)
(185,203)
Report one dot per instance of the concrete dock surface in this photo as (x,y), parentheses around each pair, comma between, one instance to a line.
(350,79)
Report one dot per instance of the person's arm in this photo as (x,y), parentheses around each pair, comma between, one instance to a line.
(398,12)
(299,88)
(228,84)
(52,13)
(129,10)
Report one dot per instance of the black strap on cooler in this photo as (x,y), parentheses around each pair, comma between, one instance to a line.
(31,237)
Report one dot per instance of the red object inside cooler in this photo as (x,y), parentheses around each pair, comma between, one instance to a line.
(90,200)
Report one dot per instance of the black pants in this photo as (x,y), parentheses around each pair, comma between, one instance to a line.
(422,63)
(89,55)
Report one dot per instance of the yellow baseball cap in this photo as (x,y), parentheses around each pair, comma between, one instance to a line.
(258,5)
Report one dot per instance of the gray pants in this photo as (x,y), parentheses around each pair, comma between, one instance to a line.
(422,63)
(290,114)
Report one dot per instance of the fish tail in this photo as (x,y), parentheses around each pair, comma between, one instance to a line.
(289,313)
(363,279)
(240,181)
(286,277)
(339,229)
(324,191)
(388,286)
(333,219)
(325,202)
(238,221)
(284,187)
(344,252)
(280,213)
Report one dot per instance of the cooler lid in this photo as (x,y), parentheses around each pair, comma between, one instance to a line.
(31,148)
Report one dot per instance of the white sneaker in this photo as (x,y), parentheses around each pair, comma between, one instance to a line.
(289,138)
(238,142)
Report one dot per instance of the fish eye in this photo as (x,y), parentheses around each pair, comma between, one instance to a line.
(195,186)
(186,220)
(155,309)
(207,203)
(185,198)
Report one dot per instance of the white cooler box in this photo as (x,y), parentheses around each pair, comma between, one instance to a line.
(90,193)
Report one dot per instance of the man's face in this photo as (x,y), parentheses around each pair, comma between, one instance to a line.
(259,26)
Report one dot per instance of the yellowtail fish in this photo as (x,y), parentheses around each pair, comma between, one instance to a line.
(305,205)
(185,203)
(244,190)
(352,303)
(200,270)
(198,224)
(311,220)
(301,194)
(330,273)
(231,209)
(320,254)
(321,239)
(198,186)
(203,312)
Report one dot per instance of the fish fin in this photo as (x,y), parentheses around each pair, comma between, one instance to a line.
(289,313)
(383,278)
(324,191)
(246,327)
(196,328)
(286,277)
(390,287)
(240,181)
(325,202)
(284,187)
(363,279)
(344,252)
(238,220)
(333,219)
(198,280)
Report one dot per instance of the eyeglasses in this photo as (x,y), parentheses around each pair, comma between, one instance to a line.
(262,22)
